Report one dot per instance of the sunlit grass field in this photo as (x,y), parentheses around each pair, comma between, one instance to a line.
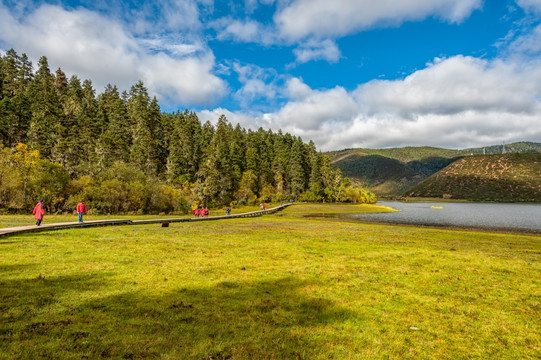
(274,287)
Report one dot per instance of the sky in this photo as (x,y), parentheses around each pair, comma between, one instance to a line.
(343,73)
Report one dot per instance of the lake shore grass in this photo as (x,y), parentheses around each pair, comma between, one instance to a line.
(274,287)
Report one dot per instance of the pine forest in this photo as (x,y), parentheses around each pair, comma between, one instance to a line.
(117,151)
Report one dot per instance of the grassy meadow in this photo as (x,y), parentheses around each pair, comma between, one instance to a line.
(275,287)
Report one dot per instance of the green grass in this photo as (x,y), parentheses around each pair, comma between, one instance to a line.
(274,287)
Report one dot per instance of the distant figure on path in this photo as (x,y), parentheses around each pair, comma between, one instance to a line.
(38,212)
(228,210)
(81,209)
(196,212)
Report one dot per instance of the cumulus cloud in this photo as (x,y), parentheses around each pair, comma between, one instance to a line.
(457,102)
(89,45)
(317,50)
(530,5)
(526,46)
(454,85)
(323,18)
(316,108)
(246,30)
(257,83)
(297,89)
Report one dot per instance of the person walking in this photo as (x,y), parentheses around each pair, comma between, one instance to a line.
(81,209)
(39,212)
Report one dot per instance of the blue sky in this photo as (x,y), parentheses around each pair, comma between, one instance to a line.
(343,73)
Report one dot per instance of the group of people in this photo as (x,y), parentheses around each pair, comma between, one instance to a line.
(201,212)
(39,211)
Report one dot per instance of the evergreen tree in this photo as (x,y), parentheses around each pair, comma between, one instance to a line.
(46,125)
(157,131)
(15,110)
(62,148)
(143,151)
(316,180)
(116,140)
(89,136)
(185,147)
(266,145)
(218,172)
(253,144)
(297,169)
(236,153)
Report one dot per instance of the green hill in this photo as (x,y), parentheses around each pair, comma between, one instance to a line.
(393,171)
(503,177)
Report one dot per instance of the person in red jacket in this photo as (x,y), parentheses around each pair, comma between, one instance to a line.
(39,212)
(81,209)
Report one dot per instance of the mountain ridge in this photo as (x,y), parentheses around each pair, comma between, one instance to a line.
(391,172)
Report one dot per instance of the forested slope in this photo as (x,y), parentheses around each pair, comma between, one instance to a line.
(391,172)
(394,171)
(504,177)
(61,142)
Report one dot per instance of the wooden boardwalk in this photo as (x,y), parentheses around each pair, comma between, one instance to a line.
(163,222)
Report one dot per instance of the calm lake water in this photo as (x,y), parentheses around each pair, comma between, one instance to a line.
(522,217)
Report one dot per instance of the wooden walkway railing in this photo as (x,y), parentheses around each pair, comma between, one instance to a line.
(164,222)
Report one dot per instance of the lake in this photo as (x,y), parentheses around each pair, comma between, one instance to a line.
(494,216)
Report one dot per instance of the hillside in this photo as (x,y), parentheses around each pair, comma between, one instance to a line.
(503,177)
(393,171)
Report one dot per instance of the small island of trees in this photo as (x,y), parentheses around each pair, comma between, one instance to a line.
(119,152)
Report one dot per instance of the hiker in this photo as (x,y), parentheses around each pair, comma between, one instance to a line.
(196,212)
(264,207)
(228,210)
(81,209)
(205,212)
(38,212)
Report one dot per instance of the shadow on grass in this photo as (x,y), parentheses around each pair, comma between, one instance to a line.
(231,320)
(21,300)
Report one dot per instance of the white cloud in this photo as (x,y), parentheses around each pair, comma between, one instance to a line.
(317,108)
(530,5)
(454,85)
(317,50)
(151,16)
(456,103)
(92,46)
(246,120)
(246,30)
(237,30)
(527,45)
(257,83)
(323,18)
(297,89)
